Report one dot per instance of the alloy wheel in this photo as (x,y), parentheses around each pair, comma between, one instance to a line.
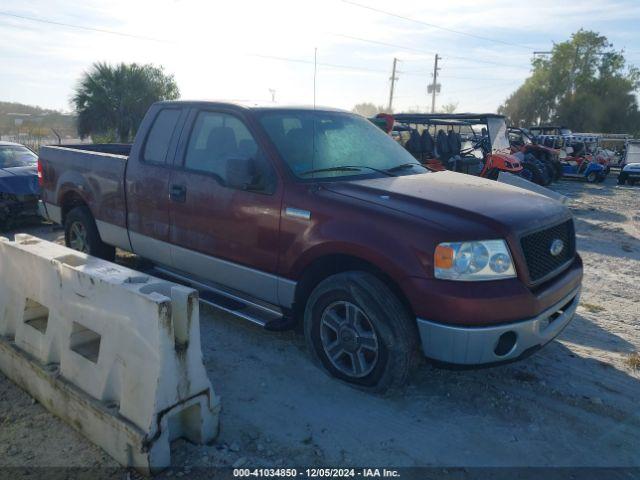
(349,339)
(78,237)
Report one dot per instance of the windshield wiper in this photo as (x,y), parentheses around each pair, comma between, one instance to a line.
(403,166)
(346,168)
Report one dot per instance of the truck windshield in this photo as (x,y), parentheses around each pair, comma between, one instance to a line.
(322,144)
(16,156)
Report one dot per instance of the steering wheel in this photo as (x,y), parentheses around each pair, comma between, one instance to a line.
(478,144)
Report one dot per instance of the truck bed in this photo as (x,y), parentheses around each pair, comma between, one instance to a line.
(97,171)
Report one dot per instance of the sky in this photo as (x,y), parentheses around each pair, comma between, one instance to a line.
(254,51)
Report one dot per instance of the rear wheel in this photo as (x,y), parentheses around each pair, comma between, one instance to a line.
(81,233)
(532,173)
(360,332)
(493,174)
(547,173)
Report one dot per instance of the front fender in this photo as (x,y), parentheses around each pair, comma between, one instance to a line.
(393,251)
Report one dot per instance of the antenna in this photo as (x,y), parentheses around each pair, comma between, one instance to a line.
(313,141)
(315,72)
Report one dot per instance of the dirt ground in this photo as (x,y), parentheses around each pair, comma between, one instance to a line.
(574,403)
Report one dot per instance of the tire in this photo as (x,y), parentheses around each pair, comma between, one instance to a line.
(592,177)
(631,182)
(526,174)
(493,174)
(558,170)
(622,179)
(81,233)
(534,173)
(547,174)
(383,322)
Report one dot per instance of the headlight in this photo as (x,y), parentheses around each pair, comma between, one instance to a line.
(473,261)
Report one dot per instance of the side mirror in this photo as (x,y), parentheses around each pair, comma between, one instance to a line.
(244,174)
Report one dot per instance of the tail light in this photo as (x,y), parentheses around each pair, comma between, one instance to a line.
(40,176)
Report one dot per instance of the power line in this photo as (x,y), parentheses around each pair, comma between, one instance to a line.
(80,27)
(417,50)
(432,25)
(485,88)
(330,65)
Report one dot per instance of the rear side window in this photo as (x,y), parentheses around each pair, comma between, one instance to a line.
(157,144)
(215,139)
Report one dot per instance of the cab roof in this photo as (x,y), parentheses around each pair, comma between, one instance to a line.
(240,105)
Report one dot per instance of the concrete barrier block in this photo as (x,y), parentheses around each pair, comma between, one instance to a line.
(114,353)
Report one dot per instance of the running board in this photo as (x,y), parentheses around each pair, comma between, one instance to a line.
(262,315)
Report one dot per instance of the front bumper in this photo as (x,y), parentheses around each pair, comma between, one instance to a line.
(18,206)
(499,343)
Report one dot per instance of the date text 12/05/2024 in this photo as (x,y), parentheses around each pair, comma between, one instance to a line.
(316,472)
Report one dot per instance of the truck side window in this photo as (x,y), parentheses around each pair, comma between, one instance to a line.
(157,143)
(217,138)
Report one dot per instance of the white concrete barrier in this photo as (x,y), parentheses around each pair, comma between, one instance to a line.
(114,353)
(514,180)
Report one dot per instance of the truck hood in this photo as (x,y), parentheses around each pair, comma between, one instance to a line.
(452,200)
(19,180)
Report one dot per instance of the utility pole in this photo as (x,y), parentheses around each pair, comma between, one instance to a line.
(435,87)
(393,84)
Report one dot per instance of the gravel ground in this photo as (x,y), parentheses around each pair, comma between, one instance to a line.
(574,403)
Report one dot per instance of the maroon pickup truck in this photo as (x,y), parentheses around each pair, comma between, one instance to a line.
(315,216)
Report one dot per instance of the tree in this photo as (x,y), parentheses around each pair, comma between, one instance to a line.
(112,100)
(584,84)
(449,107)
(368,109)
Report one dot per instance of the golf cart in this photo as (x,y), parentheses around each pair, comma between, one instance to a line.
(591,145)
(475,144)
(580,161)
(521,140)
(630,163)
(551,136)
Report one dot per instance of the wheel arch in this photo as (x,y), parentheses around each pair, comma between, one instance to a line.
(69,200)
(330,264)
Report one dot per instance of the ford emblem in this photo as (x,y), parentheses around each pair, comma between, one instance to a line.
(556,247)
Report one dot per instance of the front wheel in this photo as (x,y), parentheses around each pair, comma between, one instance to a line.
(592,177)
(81,233)
(360,332)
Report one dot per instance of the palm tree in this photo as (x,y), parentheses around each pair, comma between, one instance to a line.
(114,99)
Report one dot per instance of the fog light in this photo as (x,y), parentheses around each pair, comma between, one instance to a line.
(506,342)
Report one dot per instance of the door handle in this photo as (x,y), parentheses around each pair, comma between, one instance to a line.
(178,193)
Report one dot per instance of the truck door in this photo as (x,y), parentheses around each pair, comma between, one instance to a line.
(223,233)
(147,183)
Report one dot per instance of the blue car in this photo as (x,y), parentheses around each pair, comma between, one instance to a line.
(19,189)
(586,170)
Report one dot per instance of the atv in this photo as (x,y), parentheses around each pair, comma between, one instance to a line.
(521,140)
